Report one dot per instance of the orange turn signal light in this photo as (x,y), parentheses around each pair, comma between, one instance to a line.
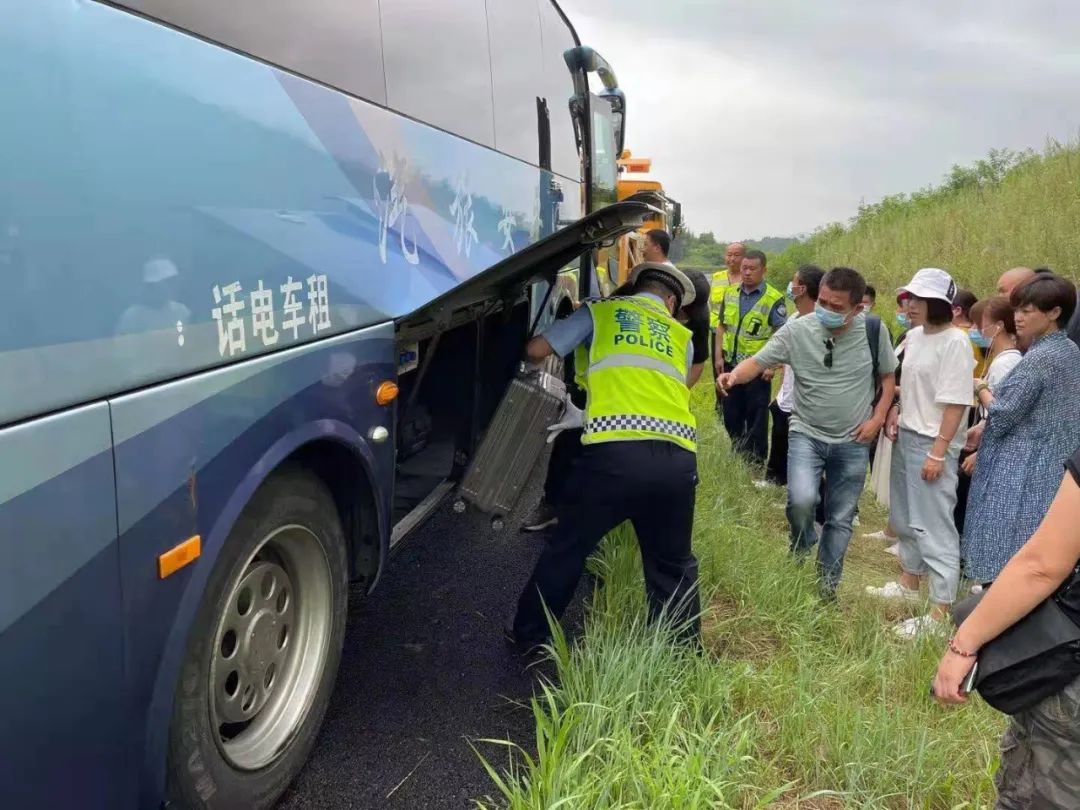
(178,556)
(386,393)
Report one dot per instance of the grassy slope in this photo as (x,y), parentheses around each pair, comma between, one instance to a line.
(796,704)
(1029,218)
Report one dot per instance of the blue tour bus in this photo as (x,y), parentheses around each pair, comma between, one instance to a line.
(269,266)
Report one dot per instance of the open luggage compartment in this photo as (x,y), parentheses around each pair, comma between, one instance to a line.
(459,351)
(449,392)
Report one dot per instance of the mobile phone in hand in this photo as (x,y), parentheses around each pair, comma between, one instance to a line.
(969,681)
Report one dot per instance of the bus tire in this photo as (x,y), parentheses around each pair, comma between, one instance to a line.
(263,651)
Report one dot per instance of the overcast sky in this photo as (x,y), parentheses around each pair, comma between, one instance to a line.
(771,117)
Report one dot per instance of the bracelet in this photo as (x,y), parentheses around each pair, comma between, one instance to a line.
(947,441)
(932,457)
(957,651)
(981,387)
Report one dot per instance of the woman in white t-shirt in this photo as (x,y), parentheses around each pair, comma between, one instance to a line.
(934,400)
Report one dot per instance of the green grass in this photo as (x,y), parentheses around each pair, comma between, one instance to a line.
(795,704)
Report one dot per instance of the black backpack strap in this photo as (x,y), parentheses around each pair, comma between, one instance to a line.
(873,336)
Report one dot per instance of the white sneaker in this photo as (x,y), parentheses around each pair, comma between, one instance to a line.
(879,535)
(855,521)
(911,629)
(976,589)
(893,591)
(894,549)
(762,484)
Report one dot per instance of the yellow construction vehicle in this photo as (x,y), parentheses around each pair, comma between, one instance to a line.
(619,259)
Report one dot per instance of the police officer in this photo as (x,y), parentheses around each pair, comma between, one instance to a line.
(638,459)
(751,313)
(567,443)
(731,276)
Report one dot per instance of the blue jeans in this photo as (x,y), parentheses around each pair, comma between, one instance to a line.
(844,466)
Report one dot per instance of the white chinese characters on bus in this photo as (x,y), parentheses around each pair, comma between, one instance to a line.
(230,325)
(262,315)
(292,309)
(506,227)
(318,303)
(392,206)
(461,209)
(229,314)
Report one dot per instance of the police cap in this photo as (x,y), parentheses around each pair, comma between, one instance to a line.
(670,276)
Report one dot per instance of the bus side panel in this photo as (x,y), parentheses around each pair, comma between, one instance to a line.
(61,678)
(171,205)
(189,455)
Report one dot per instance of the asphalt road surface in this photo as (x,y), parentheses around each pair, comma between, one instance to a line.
(426,672)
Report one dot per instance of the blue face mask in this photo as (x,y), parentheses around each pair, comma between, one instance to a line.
(828,318)
(978,338)
(903,320)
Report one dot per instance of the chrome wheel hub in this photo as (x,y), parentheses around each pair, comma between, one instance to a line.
(270,647)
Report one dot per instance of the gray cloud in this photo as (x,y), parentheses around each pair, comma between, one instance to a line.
(773,117)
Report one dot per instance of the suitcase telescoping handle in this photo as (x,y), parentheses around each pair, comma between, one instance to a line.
(526,368)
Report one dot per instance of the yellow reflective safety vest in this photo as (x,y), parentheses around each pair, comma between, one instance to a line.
(636,377)
(717,288)
(744,337)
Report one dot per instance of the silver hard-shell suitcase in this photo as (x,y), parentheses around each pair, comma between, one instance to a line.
(513,444)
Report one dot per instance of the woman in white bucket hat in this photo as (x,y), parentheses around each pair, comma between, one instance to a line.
(934,399)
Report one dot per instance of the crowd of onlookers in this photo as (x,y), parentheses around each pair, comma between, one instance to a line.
(965,412)
(967,417)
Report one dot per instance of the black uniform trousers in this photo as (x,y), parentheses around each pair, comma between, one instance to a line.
(712,364)
(746,418)
(564,449)
(651,484)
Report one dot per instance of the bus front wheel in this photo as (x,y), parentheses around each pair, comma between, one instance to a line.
(263,652)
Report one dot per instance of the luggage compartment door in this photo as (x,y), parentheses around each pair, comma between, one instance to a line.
(507,280)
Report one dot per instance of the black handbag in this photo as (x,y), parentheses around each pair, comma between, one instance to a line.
(1035,658)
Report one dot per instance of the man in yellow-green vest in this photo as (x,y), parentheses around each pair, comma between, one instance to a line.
(750,314)
(731,276)
(638,457)
(722,280)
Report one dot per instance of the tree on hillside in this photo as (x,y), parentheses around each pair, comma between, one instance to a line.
(705,250)
(700,251)
(989,171)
